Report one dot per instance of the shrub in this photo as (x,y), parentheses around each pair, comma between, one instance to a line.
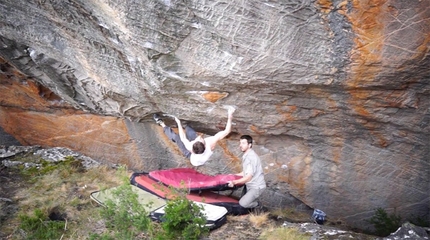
(420,221)
(40,227)
(385,224)
(183,219)
(125,218)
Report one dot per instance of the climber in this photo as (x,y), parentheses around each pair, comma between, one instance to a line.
(194,147)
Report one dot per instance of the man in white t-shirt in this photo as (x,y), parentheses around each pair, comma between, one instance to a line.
(252,175)
(194,147)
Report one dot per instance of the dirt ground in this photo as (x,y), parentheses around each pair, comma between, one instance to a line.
(10,182)
(240,227)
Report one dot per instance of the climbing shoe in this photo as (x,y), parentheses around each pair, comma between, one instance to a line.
(158,119)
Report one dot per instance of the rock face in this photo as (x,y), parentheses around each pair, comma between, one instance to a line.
(408,231)
(335,93)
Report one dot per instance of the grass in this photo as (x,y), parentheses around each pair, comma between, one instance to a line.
(54,203)
(284,233)
(59,189)
(258,220)
(125,217)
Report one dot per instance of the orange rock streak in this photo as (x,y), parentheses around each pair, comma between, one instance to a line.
(95,136)
(34,115)
(235,160)
(367,20)
(214,96)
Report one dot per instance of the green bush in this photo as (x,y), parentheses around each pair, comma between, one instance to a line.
(40,227)
(385,224)
(183,219)
(420,221)
(125,218)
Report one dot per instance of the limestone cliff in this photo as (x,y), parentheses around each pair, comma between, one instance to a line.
(336,93)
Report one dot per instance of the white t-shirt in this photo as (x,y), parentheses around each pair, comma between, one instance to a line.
(200,159)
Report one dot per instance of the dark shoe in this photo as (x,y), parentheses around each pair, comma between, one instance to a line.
(258,209)
(168,115)
(158,119)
